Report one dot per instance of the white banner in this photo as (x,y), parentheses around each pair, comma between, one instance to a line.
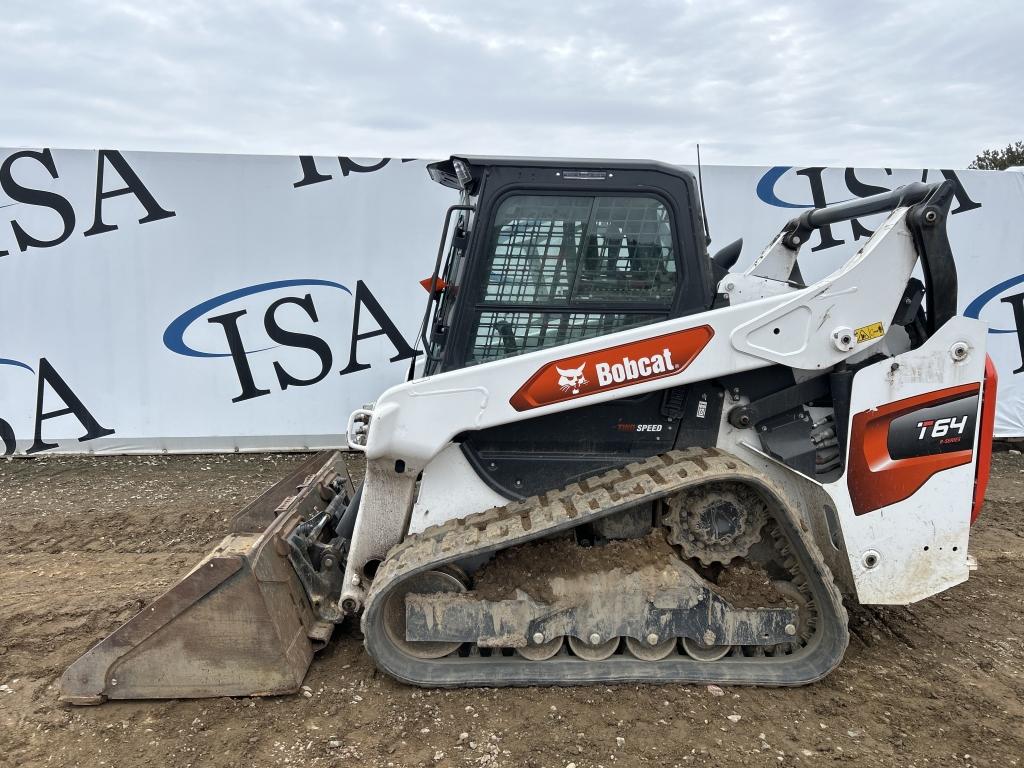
(226,302)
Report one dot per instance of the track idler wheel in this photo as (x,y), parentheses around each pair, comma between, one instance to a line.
(394,613)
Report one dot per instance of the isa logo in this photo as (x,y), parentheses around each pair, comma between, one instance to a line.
(287,317)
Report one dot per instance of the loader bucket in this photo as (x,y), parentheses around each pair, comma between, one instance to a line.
(238,624)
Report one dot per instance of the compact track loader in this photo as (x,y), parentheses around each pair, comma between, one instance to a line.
(616,460)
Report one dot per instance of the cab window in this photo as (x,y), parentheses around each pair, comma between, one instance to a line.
(565,268)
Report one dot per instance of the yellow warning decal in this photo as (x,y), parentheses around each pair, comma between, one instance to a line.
(869,332)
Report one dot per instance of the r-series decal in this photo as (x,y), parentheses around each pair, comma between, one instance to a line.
(608,369)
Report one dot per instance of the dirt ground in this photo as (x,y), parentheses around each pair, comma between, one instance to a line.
(85,542)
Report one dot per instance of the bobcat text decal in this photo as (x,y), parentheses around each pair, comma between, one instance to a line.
(615,367)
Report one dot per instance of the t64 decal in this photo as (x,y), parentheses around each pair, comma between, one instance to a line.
(895,448)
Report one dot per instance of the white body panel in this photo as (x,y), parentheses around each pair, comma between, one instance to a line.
(920,542)
(449,489)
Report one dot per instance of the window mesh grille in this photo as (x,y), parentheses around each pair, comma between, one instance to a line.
(628,253)
(625,243)
(537,247)
(575,252)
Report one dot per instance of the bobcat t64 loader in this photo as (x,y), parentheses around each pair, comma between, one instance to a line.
(616,459)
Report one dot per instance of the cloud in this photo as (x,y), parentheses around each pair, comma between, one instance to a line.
(869,83)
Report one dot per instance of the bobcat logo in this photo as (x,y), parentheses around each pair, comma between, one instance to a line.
(571,379)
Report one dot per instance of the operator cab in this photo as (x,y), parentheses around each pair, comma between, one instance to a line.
(544,252)
(549,251)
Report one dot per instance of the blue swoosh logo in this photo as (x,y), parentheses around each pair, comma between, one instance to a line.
(975,307)
(174,335)
(16,364)
(766,188)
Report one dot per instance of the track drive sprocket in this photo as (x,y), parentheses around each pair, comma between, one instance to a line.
(715,523)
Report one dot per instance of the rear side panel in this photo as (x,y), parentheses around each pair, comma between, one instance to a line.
(905,500)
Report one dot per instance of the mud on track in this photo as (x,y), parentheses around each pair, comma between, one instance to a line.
(86,542)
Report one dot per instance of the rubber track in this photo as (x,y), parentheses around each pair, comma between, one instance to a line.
(555,511)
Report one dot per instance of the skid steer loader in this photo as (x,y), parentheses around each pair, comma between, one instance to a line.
(616,460)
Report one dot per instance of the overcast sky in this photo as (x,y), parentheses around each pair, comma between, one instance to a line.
(851,83)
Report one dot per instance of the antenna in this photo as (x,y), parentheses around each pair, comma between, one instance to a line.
(700,189)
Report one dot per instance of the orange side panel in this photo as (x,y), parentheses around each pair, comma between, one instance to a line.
(877,480)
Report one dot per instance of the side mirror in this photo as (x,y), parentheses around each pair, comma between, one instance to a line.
(729,255)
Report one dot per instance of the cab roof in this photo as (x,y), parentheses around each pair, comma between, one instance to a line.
(444,171)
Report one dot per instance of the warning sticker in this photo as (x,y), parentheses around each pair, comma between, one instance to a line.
(869,332)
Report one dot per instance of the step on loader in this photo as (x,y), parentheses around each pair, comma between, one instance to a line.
(616,460)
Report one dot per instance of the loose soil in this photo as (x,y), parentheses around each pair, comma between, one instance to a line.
(85,542)
(535,567)
(748,585)
(532,567)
